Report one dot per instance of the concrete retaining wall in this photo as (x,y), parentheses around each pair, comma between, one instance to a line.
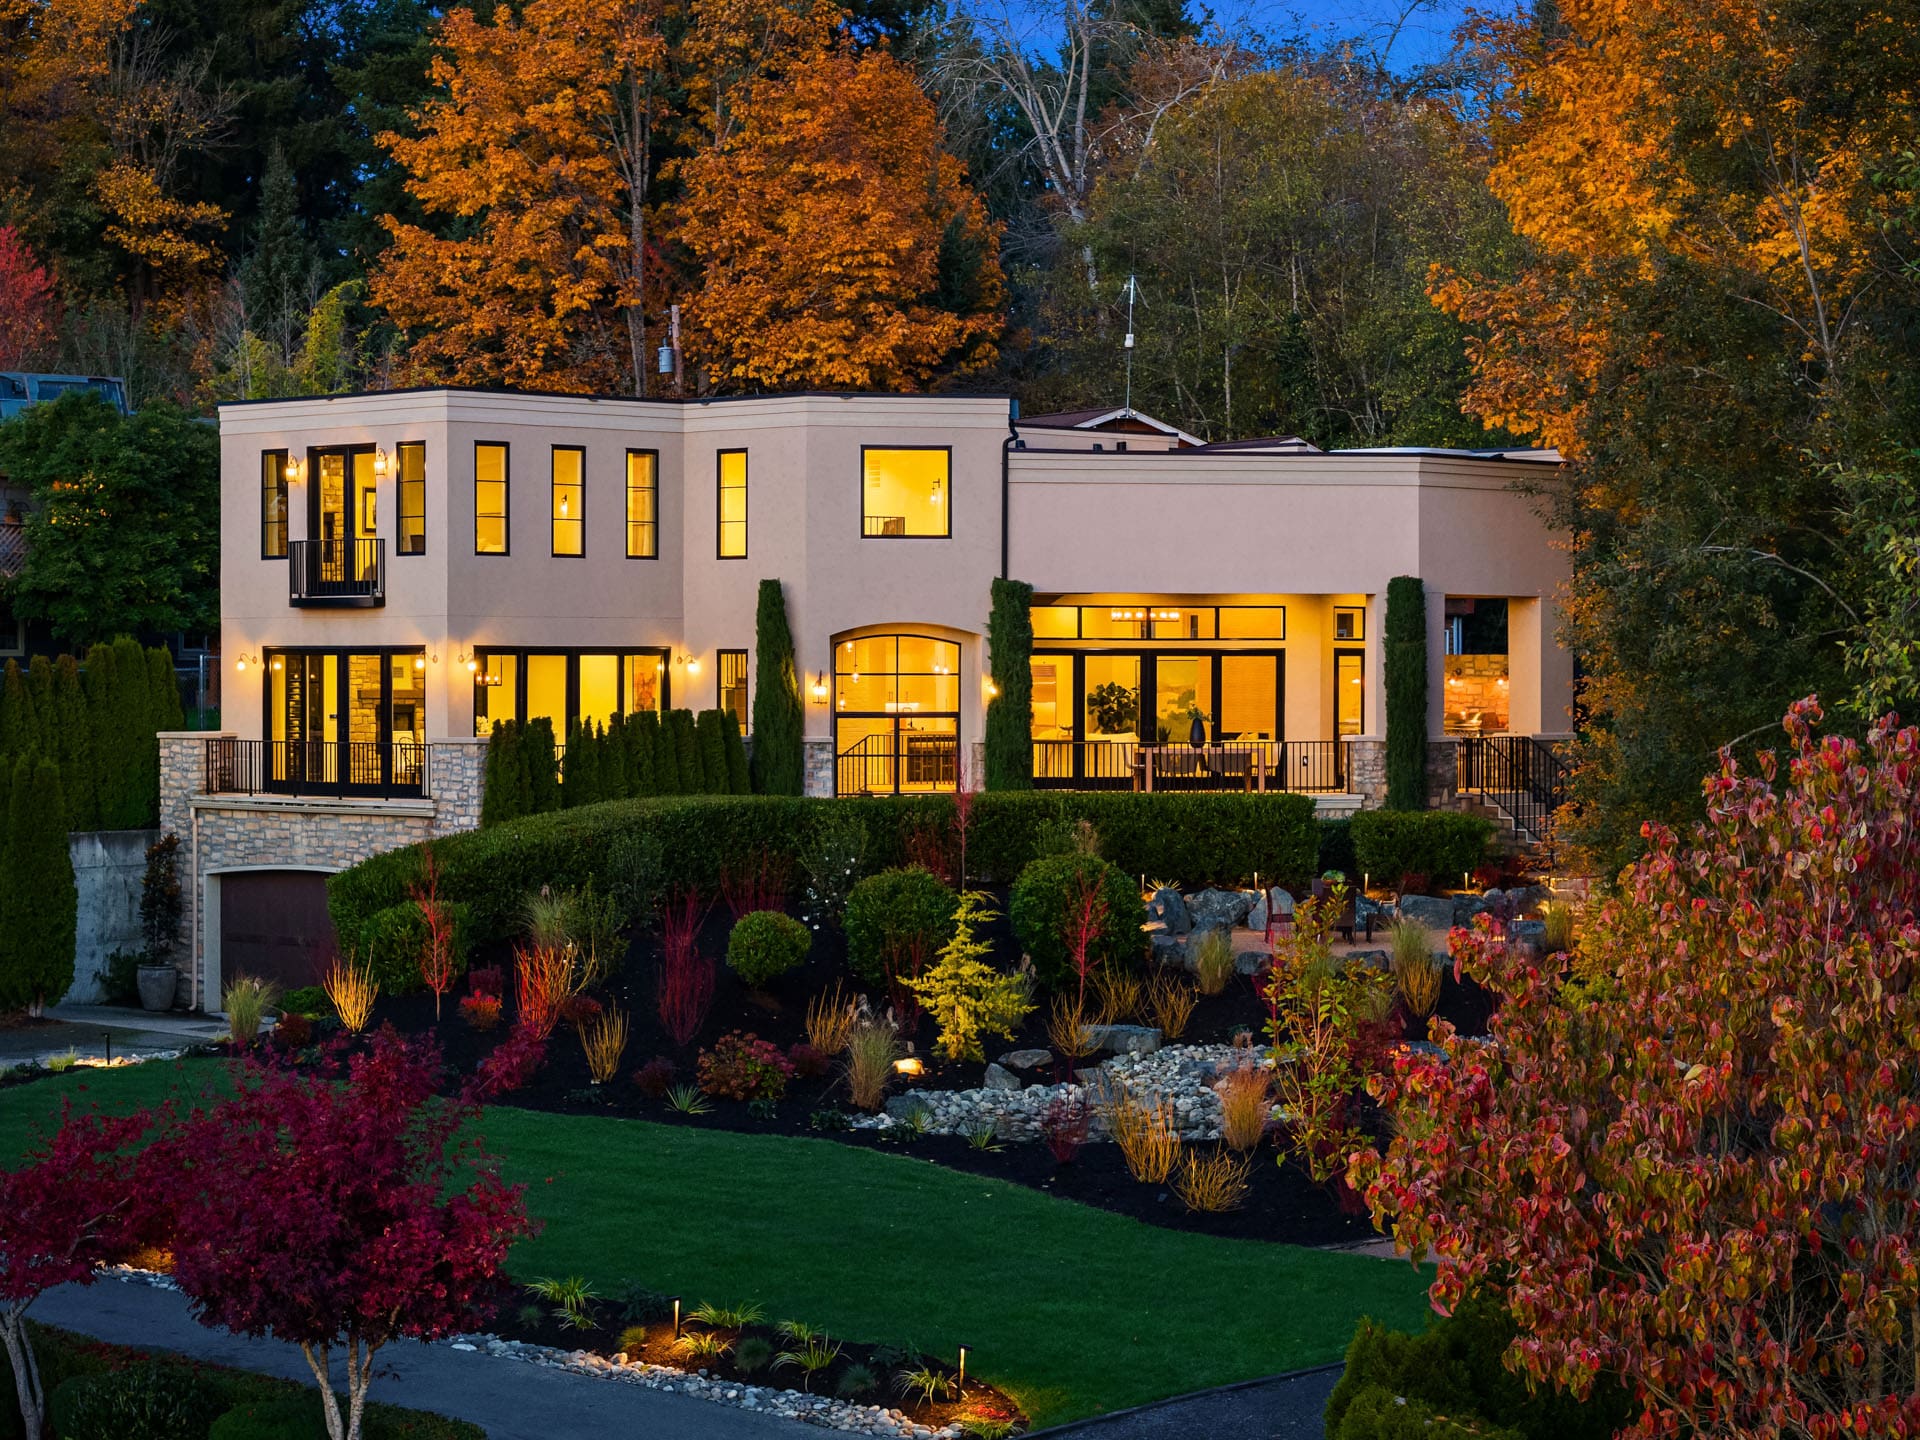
(107,869)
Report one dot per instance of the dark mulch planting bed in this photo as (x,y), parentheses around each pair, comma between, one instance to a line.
(1284,1203)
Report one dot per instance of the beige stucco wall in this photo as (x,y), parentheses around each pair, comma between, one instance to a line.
(1319,529)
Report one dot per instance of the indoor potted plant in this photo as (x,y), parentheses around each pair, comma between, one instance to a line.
(160,911)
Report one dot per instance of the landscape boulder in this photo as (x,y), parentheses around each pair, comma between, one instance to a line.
(1025,1059)
(1219,909)
(1167,909)
(1001,1078)
(1427,910)
(1125,1039)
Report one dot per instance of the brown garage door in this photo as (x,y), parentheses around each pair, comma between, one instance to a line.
(274,926)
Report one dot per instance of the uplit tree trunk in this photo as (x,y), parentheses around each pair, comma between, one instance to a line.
(26,1369)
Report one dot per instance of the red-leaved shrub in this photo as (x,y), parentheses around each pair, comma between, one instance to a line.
(292,1031)
(654,1078)
(810,1062)
(1064,1126)
(744,1067)
(487,980)
(577,1010)
(513,1063)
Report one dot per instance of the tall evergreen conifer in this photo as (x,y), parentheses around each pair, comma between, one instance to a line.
(779,765)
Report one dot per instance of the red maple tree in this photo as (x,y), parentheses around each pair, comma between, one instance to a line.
(345,1215)
(74,1204)
(1699,1170)
(27,303)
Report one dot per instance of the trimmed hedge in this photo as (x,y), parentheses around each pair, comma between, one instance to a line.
(1197,839)
(1040,907)
(1440,844)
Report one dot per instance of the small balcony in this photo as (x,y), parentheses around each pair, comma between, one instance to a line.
(338,573)
(324,768)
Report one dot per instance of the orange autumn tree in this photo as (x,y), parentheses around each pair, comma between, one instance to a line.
(838,242)
(538,151)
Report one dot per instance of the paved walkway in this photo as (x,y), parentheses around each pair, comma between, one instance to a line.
(1285,1409)
(94,1031)
(509,1399)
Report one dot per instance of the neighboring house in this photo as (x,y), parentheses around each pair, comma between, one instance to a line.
(401,569)
(20,389)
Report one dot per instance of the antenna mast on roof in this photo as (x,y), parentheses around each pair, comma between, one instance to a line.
(1132,289)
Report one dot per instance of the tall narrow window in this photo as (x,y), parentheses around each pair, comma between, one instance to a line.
(489,499)
(733,505)
(733,685)
(905,493)
(569,500)
(643,500)
(273,505)
(413,497)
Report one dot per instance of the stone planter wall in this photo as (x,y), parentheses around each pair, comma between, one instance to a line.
(220,833)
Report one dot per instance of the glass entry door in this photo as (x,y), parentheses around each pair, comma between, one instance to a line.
(344,517)
(346,722)
(896,715)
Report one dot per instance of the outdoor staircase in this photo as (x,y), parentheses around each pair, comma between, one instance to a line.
(1516,781)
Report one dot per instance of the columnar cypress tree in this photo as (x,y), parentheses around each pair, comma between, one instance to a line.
(41,907)
(9,893)
(99,682)
(508,784)
(711,736)
(616,761)
(139,760)
(16,712)
(74,731)
(163,690)
(1405,640)
(541,758)
(686,753)
(1010,711)
(666,758)
(584,765)
(643,746)
(739,781)
(45,737)
(779,766)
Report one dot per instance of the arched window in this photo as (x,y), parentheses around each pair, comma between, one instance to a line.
(896,715)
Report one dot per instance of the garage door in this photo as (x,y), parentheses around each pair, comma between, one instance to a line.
(274,926)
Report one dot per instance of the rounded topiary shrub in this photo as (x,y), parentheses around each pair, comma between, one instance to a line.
(766,944)
(297,1417)
(1043,900)
(893,914)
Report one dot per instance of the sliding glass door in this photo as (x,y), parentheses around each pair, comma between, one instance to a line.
(349,722)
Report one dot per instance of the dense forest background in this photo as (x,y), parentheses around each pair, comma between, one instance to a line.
(229,198)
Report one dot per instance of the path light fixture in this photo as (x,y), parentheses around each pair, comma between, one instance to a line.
(676,1317)
(963,1365)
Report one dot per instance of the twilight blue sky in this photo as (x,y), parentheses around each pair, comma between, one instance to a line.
(1426,36)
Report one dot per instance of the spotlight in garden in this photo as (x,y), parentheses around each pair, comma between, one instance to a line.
(909,1066)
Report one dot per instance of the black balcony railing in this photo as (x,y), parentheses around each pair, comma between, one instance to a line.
(400,770)
(337,572)
(1521,775)
(906,763)
(1251,765)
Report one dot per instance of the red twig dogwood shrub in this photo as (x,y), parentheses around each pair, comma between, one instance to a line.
(545,979)
(438,960)
(760,882)
(685,985)
(77,1201)
(340,1215)
(1086,923)
(962,823)
(1700,1170)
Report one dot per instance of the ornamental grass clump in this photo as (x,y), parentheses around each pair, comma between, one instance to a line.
(830,1020)
(1213,962)
(1557,916)
(1069,1031)
(1170,1001)
(1119,995)
(872,1047)
(1414,973)
(1211,1184)
(604,1039)
(1246,1104)
(351,991)
(246,1002)
(1144,1131)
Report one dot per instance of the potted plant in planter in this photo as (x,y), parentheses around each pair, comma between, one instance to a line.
(160,911)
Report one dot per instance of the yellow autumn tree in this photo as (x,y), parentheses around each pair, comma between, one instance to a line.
(1718,133)
(537,152)
(838,244)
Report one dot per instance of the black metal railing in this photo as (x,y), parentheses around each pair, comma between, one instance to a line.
(1252,765)
(337,572)
(1518,773)
(895,764)
(400,770)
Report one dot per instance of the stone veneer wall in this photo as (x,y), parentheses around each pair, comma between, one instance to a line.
(817,762)
(1367,772)
(236,832)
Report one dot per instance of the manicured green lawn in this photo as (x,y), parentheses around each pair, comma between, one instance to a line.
(1071,1310)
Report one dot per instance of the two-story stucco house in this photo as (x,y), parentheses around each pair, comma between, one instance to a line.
(401,569)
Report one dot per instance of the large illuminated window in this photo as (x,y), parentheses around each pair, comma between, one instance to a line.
(732,484)
(906,493)
(413,497)
(643,502)
(896,714)
(569,500)
(566,687)
(489,499)
(273,505)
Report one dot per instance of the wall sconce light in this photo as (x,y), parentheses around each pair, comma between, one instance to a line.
(296,469)
(819,687)
(691,662)
(379,462)
(420,662)
(471,661)
(993,690)
(244,661)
